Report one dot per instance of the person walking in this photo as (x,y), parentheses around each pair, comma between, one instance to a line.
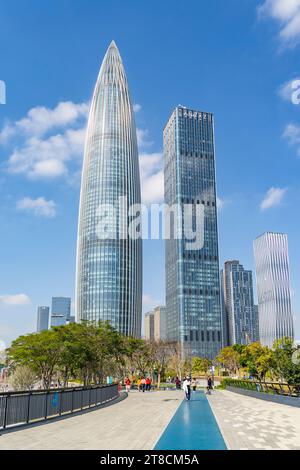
(177,383)
(143,384)
(138,384)
(209,383)
(127,384)
(148,384)
(187,388)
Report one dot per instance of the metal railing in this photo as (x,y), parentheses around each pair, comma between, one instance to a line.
(17,408)
(274,388)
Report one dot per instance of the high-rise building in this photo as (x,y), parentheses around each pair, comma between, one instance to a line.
(42,319)
(109,261)
(192,276)
(224,317)
(256,324)
(155,324)
(273,287)
(60,311)
(160,326)
(149,326)
(239,303)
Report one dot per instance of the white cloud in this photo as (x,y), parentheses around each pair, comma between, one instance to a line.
(40,120)
(287,14)
(39,207)
(39,151)
(47,158)
(137,108)
(152,177)
(273,198)
(142,138)
(17,299)
(292,135)
(220,203)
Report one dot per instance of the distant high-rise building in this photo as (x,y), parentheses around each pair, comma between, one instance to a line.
(42,319)
(256,324)
(273,287)
(149,326)
(224,318)
(239,304)
(160,325)
(109,261)
(192,276)
(60,310)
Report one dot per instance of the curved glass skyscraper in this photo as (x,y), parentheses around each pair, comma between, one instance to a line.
(109,263)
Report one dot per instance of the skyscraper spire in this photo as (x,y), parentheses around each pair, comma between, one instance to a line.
(109,271)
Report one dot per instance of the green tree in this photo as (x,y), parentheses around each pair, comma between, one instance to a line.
(229,357)
(40,352)
(258,359)
(284,368)
(200,365)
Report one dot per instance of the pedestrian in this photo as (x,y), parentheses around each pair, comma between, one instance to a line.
(127,384)
(138,384)
(177,383)
(209,383)
(194,385)
(148,384)
(143,384)
(187,388)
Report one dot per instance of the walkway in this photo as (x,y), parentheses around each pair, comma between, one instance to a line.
(134,423)
(193,427)
(250,423)
(162,420)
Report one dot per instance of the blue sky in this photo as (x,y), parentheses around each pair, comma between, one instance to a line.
(235,59)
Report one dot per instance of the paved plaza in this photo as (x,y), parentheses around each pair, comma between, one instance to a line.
(139,422)
(250,423)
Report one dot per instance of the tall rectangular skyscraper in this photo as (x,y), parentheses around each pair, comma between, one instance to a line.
(193,307)
(60,311)
(42,319)
(239,304)
(273,287)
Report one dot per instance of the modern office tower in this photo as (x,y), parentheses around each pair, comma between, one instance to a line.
(273,287)
(149,326)
(109,261)
(239,303)
(192,276)
(160,326)
(60,310)
(42,319)
(256,324)
(224,318)
(155,324)
(61,306)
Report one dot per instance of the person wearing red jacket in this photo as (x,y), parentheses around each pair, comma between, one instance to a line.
(148,384)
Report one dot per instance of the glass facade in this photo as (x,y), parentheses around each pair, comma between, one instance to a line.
(193,308)
(273,287)
(42,319)
(239,304)
(109,271)
(61,306)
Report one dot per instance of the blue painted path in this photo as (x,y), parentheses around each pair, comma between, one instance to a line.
(193,427)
